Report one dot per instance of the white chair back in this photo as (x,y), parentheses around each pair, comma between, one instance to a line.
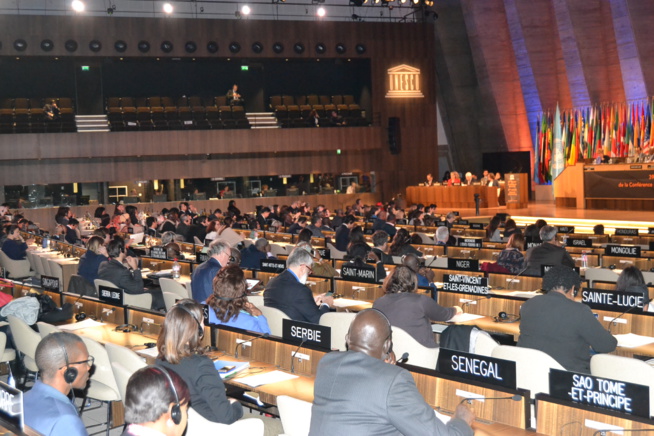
(340,324)
(135,300)
(278,250)
(484,344)
(6,354)
(124,363)
(335,253)
(532,367)
(102,385)
(274,317)
(45,329)
(419,355)
(172,285)
(295,415)
(200,426)
(170,299)
(600,274)
(16,269)
(426,239)
(26,341)
(257,300)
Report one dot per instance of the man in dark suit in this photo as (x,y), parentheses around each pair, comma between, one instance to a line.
(548,253)
(202,279)
(380,241)
(563,328)
(288,292)
(127,277)
(262,217)
(343,233)
(379,397)
(71,231)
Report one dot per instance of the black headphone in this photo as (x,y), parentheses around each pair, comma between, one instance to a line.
(507,317)
(200,329)
(176,410)
(71,373)
(81,316)
(126,328)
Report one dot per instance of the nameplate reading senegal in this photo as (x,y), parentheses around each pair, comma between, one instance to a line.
(158,252)
(577,242)
(294,331)
(469,242)
(11,406)
(477,226)
(50,283)
(622,250)
(462,264)
(470,366)
(274,266)
(600,392)
(566,229)
(465,284)
(626,232)
(110,295)
(367,274)
(613,301)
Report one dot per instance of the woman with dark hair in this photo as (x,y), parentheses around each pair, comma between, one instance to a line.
(305,235)
(631,280)
(511,257)
(532,233)
(14,246)
(416,218)
(493,230)
(132,210)
(409,311)
(99,212)
(63,214)
(357,237)
(402,244)
(510,227)
(233,209)
(90,261)
(230,305)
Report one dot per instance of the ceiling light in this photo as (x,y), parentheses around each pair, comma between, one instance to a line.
(78,6)
(245,10)
(168,8)
(321,12)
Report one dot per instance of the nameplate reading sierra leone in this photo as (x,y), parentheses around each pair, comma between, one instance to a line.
(294,331)
(274,266)
(158,252)
(470,366)
(614,301)
(50,283)
(110,295)
(600,392)
(367,274)
(462,264)
(465,284)
(469,242)
(622,250)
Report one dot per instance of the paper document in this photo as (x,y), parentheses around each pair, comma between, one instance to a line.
(631,340)
(346,302)
(266,378)
(464,317)
(80,325)
(524,294)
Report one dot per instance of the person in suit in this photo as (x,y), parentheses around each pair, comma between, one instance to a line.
(548,253)
(123,271)
(288,292)
(71,231)
(430,180)
(262,217)
(342,237)
(234,97)
(379,397)
(90,261)
(203,275)
(380,246)
(557,325)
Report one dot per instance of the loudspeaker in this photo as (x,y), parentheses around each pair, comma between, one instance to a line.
(394,135)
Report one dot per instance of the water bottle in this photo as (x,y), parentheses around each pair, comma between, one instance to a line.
(176,268)
(45,242)
(584,261)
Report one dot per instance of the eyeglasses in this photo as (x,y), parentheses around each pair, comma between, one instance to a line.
(309,268)
(88,361)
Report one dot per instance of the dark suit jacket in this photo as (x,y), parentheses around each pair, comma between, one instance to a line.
(372,398)
(293,298)
(564,329)
(119,275)
(71,235)
(546,254)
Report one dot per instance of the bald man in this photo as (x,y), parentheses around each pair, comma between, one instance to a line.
(371,394)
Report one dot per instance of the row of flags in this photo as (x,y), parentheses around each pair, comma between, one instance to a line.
(613,129)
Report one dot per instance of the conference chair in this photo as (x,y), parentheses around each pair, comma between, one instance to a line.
(200,426)
(419,355)
(625,369)
(170,298)
(173,286)
(45,329)
(139,300)
(6,354)
(532,367)
(102,384)
(26,341)
(16,269)
(295,415)
(426,239)
(124,363)
(274,317)
(335,252)
(257,300)
(79,285)
(484,343)
(278,250)
(339,322)
(57,271)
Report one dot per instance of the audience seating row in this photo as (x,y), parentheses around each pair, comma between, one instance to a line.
(32,104)
(182,118)
(300,115)
(311,100)
(194,102)
(22,115)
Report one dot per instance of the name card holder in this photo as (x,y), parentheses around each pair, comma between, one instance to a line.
(367,274)
(476,367)
(201,257)
(464,284)
(462,264)
(158,252)
(325,253)
(600,299)
(469,242)
(316,334)
(577,242)
(274,266)
(566,229)
(622,250)
(11,408)
(51,284)
(477,226)
(113,296)
(626,232)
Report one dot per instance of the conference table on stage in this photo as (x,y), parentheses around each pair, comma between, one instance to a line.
(453,196)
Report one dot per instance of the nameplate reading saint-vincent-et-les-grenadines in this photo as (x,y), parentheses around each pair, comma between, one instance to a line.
(577,242)
(50,283)
(469,242)
(367,274)
(600,299)
(622,250)
(11,406)
(462,264)
(274,266)
(600,392)
(158,252)
(476,367)
(110,295)
(294,331)
(465,284)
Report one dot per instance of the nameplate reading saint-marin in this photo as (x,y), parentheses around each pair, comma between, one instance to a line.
(272,265)
(476,367)
(294,331)
(110,295)
(600,392)
(367,274)
(613,301)
(465,284)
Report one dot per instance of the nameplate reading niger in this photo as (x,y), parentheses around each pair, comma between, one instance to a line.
(470,366)
(465,284)
(462,264)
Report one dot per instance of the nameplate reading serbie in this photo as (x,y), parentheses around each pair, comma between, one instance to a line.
(626,232)
(50,283)
(469,242)
(110,295)
(566,229)
(600,392)
(11,406)
(274,266)
(462,264)
(470,366)
(325,253)
(614,301)
(622,250)
(367,274)
(576,242)
(158,252)
(294,331)
(465,284)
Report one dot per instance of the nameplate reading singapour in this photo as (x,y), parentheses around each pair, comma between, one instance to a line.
(294,331)
(50,283)
(465,284)
(470,366)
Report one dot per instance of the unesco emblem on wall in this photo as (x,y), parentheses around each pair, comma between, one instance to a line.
(404,82)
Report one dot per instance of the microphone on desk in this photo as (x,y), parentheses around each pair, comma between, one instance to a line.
(512,279)
(357,289)
(485,296)
(513,397)
(240,344)
(404,358)
(613,321)
(108,312)
(304,339)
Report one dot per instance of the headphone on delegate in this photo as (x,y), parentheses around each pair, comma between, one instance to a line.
(71,373)
(506,317)
(176,410)
(200,329)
